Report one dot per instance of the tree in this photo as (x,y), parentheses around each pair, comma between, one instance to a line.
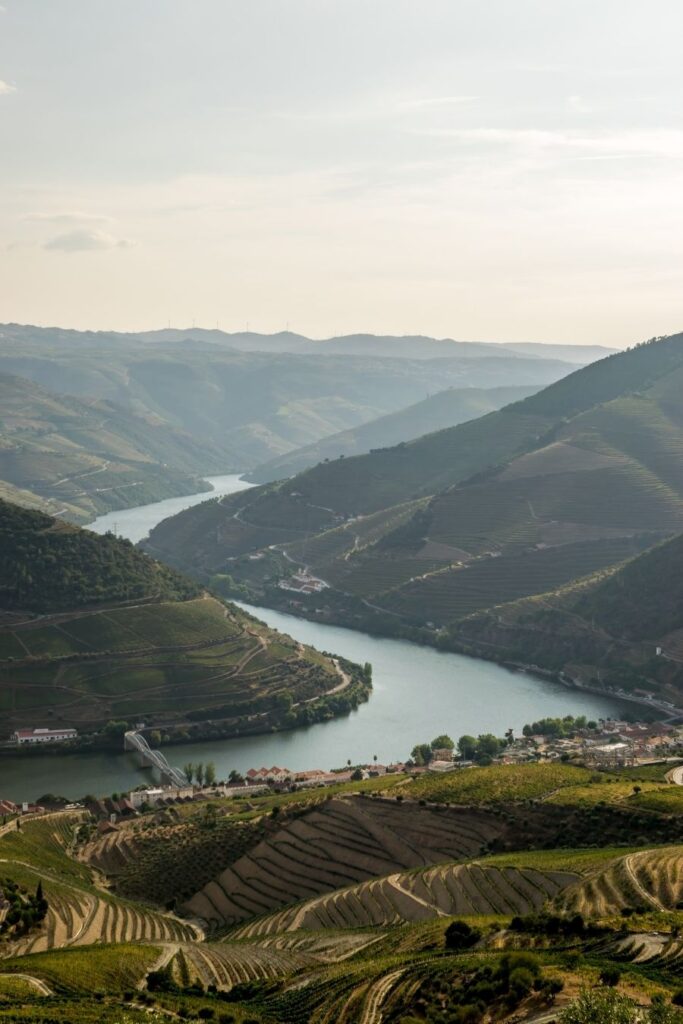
(488,745)
(610,976)
(210,773)
(188,771)
(235,778)
(443,742)
(421,753)
(284,700)
(115,729)
(521,982)
(199,773)
(155,738)
(461,935)
(467,746)
(356,775)
(600,1006)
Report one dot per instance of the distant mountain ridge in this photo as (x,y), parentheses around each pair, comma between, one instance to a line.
(194,407)
(388,346)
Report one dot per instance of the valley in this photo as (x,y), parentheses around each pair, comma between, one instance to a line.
(416,539)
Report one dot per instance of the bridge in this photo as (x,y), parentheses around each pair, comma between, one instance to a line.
(153,759)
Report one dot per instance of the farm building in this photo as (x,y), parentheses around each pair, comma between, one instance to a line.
(43,735)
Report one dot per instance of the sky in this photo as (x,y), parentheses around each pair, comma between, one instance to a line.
(477,169)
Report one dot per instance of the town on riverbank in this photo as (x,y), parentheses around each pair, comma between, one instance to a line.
(602,745)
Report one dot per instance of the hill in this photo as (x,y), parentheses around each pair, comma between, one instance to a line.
(250,406)
(604,629)
(519,935)
(412,539)
(393,346)
(94,631)
(445,409)
(80,458)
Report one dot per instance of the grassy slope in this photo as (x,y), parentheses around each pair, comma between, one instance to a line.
(606,626)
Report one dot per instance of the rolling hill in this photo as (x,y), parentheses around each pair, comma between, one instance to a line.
(356,910)
(576,478)
(445,409)
(93,631)
(79,458)
(250,406)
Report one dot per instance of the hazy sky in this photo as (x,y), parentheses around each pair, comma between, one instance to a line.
(483,169)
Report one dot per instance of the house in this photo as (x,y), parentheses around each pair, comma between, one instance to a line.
(442,754)
(274,774)
(22,736)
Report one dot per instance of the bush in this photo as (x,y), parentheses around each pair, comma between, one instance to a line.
(461,935)
(610,976)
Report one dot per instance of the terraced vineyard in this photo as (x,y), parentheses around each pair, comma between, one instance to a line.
(648,880)
(167,660)
(452,594)
(471,890)
(168,862)
(78,913)
(334,845)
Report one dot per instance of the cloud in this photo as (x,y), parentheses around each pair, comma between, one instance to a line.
(577,105)
(6,88)
(86,241)
(71,217)
(437,101)
(666,143)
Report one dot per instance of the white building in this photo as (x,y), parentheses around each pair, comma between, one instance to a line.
(138,797)
(43,735)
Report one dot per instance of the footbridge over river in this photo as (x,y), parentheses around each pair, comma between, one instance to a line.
(153,759)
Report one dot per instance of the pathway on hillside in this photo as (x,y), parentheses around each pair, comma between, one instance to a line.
(40,985)
(637,884)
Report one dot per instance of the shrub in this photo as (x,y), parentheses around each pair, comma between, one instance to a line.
(461,935)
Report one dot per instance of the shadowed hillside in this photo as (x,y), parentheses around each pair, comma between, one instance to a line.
(123,638)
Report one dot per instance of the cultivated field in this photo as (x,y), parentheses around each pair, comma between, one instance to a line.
(337,844)
(168,660)
(646,880)
(470,890)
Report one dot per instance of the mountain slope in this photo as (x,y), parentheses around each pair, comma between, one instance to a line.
(80,458)
(445,409)
(93,630)
(251,405)
(574,479)
(607,627)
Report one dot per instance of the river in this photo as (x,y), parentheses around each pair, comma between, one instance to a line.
(417,693)
(136,523)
